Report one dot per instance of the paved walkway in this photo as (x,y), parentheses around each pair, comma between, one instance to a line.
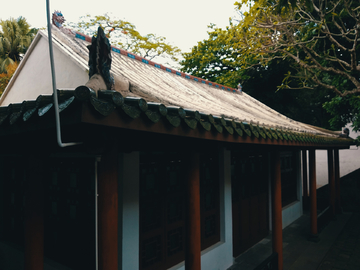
(344,254)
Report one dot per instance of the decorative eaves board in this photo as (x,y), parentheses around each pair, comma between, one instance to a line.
(109,102)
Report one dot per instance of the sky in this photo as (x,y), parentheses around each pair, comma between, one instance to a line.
(183,23)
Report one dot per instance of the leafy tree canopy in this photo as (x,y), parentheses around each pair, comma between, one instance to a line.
(320,38)
(314,44)
(15,38)
(217,59)
(124,35)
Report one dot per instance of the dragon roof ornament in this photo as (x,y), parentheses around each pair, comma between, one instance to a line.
(58,20)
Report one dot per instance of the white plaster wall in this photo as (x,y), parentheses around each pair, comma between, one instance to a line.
(219,256)
(34,78)
(292,212)
(322,167)
(130,218)
(349,161)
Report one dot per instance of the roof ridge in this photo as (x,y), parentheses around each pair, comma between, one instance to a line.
(160,66)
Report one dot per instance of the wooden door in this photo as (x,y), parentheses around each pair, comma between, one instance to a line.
(249,200)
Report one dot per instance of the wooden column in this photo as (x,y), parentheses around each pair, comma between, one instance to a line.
(305,179)
(331,175)
(277,209)
(108,208)
(34,215)
(193,231)
(312,184)
(337,180)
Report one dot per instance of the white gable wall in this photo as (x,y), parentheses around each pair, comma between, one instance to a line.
(34,78)
(349,161)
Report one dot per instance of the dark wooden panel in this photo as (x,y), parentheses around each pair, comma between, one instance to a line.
(249,199)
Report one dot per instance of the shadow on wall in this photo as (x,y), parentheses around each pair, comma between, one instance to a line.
(349,162)
(350,192)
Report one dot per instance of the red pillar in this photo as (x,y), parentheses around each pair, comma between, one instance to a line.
(337,180)
(305,178)
(34,216)
(331,175)
(108,209)
(277,209)
(193,237)
(312,183)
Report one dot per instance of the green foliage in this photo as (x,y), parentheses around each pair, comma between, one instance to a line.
(6,76)
(123,34)
(307,50)
(344,110)
(15,38)
(224,58)
(301,105)
(216,59)
(319,38)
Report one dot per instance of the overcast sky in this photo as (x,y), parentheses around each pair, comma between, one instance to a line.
(183,23)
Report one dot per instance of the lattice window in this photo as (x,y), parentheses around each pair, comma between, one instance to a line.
(70,212)
(14,188)
(161,211)
(209,199)
(152,251)
(249,183)
(175,241)
(288,178)
(162,207)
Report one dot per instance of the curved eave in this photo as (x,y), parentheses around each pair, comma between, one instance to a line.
(112,109)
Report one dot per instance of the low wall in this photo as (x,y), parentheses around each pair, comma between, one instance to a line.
(349,161)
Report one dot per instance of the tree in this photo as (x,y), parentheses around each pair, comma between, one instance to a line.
(15,38)
(320,38)
(6,76)
(321,41)
(124,35)
(216,58)
(316,39)
(223,59)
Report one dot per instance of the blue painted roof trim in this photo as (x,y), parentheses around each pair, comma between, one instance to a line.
(115,50)
(132,56)
(79,36)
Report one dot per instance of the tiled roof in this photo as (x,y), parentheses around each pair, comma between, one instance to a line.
(156,83)
(160,93)
(111,102)
(160,66)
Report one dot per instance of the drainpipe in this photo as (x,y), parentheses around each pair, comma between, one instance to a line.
(56,103)
(96,217)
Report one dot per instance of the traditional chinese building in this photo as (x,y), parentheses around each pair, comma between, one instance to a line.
(169,172)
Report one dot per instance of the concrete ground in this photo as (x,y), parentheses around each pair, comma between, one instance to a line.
(299,252)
